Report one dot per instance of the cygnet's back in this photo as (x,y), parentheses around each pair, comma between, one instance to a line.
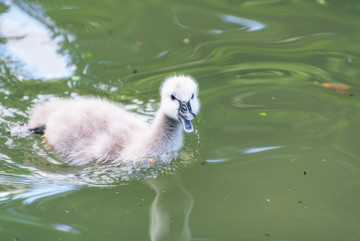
(86,129)
(93,131)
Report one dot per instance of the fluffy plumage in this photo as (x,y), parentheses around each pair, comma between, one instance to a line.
(93,131)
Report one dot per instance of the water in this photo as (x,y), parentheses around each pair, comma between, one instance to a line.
(275,154)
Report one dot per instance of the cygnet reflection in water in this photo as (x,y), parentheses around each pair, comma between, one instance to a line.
(170,210)
(94,131)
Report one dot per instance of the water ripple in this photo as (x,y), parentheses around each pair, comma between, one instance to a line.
(208,21)
(41,191)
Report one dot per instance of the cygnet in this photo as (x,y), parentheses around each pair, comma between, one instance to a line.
(91,130)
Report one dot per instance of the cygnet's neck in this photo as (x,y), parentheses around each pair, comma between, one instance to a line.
(166,134)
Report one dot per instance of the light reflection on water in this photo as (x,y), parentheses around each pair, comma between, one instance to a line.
(65,228)
(260,149)
(213,22)
(41,191)
(248,25)
(33,44)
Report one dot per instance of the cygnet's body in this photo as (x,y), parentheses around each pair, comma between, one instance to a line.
(93,131)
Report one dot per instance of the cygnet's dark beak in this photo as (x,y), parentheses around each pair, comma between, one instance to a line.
(186,115)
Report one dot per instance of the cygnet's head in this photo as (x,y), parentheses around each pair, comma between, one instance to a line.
(179,99)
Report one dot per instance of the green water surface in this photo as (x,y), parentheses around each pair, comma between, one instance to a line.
(275,154)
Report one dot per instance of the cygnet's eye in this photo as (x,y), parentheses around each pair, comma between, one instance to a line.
(173,97)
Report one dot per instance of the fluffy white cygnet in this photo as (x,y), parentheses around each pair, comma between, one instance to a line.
(93,131)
